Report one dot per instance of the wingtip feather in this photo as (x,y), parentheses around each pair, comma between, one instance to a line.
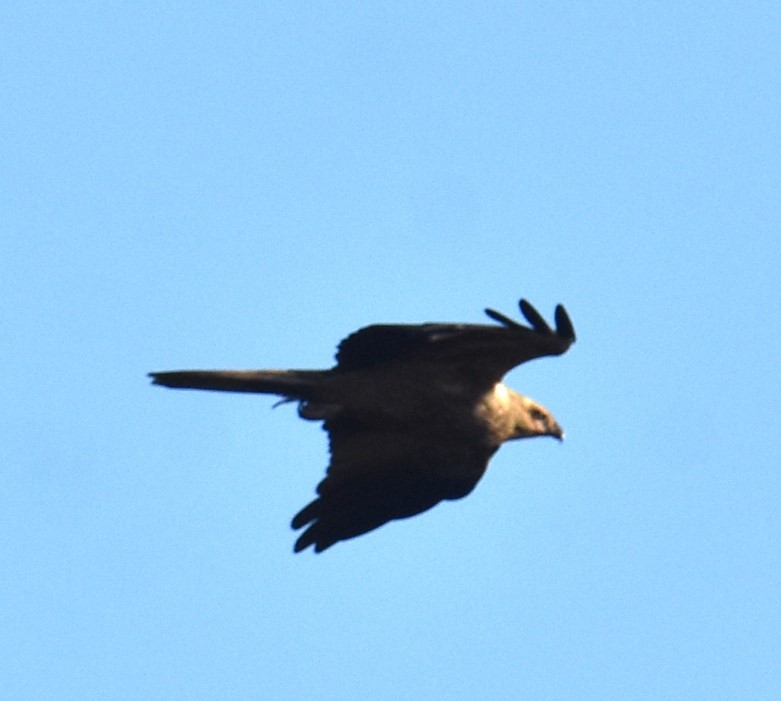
(564,327)
(534,317)
(501,318)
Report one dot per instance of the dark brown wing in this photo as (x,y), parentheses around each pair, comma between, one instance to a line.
(378,474)
(479,350)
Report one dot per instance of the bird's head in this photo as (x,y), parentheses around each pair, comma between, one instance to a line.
(533,419)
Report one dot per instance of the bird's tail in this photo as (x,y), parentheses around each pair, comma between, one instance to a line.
(295,384)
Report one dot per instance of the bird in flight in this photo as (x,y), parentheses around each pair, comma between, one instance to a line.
(413,412)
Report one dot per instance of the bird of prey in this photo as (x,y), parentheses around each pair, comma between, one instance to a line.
(414,413)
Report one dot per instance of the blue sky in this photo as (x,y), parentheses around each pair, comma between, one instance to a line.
(243,184)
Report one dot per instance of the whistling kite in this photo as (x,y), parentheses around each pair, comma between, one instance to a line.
(413,413)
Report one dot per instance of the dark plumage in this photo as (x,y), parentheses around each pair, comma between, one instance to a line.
(413,413)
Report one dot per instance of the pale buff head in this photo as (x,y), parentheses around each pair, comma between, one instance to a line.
(533,419)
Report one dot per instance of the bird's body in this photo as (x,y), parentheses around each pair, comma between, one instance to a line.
(414,413)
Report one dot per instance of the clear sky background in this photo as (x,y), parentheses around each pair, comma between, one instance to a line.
(241,185)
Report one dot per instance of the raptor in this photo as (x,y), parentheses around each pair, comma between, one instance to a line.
(413,412)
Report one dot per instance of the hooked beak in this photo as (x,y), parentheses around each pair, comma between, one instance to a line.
(557,432)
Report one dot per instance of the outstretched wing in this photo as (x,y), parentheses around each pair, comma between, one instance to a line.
(480,351)
(378,474)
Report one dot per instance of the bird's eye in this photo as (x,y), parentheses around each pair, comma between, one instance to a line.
(537,415)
